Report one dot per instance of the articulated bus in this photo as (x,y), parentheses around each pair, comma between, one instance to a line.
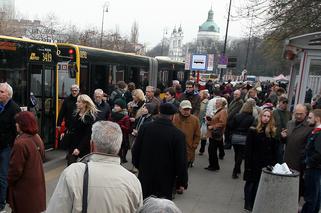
(45,72)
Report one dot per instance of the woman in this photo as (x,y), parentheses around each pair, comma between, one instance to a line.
(119,115)
(260,151)
(239,126)
(135,107)
(27,192)
(80,131)
(204,101)
(216,127)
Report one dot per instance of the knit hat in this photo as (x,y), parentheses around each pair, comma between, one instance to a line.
(120,102)
(168,109)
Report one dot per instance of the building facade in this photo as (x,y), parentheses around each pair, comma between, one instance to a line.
(7,8)
(175,51)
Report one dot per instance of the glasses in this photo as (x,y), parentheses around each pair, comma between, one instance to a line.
(74,90)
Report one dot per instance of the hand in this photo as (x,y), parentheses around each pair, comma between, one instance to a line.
(76,152)
(132,119)
(284,133)
(62,135)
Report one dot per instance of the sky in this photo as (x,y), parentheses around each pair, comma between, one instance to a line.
(153,17)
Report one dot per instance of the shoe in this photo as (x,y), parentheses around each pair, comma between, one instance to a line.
(227,146)
(221,157)
(235,176)
(200,153)
(211,168)
(190,164)
(180,191)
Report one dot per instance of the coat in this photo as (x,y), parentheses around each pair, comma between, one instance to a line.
(81,134)
(190,126)
(295,144)
(218,121)
(159,153)
(260,151)
(26,180)
(8,125)
(67,110)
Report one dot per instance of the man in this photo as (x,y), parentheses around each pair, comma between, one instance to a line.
(312,173)
(281,116)
(193,96)
(119,92)
(150,98)
(111,188)
(102,106)
(68,107)
(296,134)
(190,126)
(170,96)
(234,108)
(8,110)
(159,153)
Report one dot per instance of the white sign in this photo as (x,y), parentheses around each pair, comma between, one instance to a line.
(221,66)
(199,62)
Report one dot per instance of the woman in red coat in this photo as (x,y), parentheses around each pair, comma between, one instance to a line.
(27,190)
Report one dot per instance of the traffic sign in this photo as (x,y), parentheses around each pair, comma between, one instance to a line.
(199,62)
(221,66)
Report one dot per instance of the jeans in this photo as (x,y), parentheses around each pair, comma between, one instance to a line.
(203,144)
(212,153)
(312,191)
(239,151)
(4,166)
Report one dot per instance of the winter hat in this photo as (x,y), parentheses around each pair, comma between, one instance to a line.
(150,107)
(168,109)
(120,102)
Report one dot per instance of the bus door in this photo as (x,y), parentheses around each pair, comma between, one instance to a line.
(41,91)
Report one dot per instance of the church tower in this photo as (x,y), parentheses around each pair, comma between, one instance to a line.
(176,45)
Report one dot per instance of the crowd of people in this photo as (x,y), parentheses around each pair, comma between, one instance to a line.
(163,135)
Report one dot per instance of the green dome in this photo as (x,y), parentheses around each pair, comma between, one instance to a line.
(209,25)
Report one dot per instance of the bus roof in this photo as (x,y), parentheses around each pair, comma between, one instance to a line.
(27,40)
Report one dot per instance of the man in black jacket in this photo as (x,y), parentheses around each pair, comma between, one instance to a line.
(312,173)
(8,110)
(102,106)
(68,107)
(159,153)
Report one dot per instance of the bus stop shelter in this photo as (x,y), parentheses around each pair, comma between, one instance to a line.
(304,52)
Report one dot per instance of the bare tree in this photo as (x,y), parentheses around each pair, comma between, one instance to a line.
(134,33)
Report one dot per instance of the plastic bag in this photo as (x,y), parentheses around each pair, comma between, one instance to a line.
(203,131)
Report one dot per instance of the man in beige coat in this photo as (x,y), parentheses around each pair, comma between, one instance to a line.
(189,124)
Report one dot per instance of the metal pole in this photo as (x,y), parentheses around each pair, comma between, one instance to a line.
(105,9)
(249,41)
(225,40)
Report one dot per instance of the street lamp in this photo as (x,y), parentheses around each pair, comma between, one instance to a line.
(225,40)
(105,10)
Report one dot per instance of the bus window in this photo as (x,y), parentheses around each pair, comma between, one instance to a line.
(144,75)
(64,80)
(120,73)
(180,76)
(84,79)
(99,77)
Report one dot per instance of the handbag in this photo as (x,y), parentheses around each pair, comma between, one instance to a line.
(217,134)
(238,139)
(203,131)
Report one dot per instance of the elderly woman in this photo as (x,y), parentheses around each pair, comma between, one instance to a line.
(27,190)
(216,127)
(80,132)
(157,205)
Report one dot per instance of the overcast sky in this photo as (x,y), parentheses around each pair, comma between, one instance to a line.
(152,16)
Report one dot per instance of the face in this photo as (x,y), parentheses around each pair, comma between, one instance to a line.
(18,128)
(4,95)
(98,98)
(311,119)
(283,105)
(189,88)
(218,104)
(74,92)
(185,112)
(300,114)
(266,117)
(135,98)
(80,105)
(149,93)
(168,96)
(117,108)
(237,94)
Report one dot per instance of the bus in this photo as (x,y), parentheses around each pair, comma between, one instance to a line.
(42,73)
(30,68)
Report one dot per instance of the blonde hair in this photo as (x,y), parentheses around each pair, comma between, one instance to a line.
(90,107)
(270,129)
(139,94)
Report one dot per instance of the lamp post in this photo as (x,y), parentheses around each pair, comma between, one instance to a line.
(164,32)
(225,40)
(249,41)
(105,10)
